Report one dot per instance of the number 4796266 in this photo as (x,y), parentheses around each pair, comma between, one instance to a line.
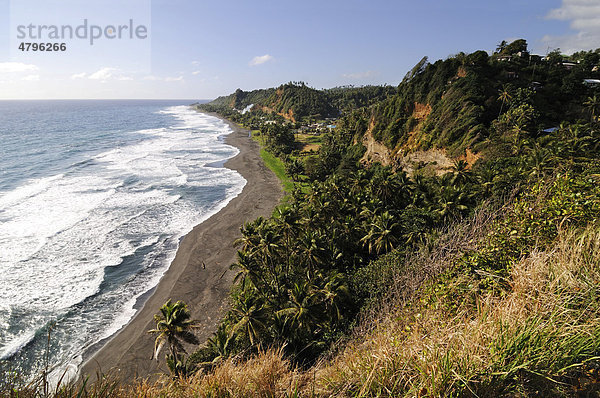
(43,47)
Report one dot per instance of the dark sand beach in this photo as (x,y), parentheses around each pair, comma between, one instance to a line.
(204,289)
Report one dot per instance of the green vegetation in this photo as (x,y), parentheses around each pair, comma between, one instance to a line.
(307,272)
(347,98)
(481,279)
(174,327)
(276,142)
(336,251)
(453,103)
(511,309)
(294,101)
(278,167)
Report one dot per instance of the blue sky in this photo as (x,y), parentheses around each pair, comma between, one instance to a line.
(203,49)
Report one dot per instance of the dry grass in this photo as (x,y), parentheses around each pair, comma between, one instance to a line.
(541,331)
(266,375)
(309,142)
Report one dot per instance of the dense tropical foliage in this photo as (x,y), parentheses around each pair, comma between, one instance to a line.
(304,274)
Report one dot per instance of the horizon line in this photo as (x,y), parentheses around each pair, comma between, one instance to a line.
(106,99)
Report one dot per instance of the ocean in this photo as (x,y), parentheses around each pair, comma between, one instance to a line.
(94,199)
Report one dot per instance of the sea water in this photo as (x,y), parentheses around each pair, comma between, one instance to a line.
(94,198)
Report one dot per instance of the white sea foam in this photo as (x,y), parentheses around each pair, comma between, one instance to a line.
(16,344)
(60,235)
(25,191)
(186,220)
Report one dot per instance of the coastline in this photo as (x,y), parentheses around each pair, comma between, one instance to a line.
(204,290)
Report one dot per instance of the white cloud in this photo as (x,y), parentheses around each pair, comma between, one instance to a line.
(174,79)
(77,76)
(103,74)
(196,72)
(260,59)
(31,78)
(360,75)
(584,19)
(16,67)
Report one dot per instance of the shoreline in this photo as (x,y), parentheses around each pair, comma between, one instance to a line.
(204,290)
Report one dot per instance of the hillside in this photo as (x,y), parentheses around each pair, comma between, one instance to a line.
(292,101)
(455,104)
(452,105)
(427,253)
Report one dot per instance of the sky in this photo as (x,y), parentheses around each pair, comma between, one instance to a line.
(197,49)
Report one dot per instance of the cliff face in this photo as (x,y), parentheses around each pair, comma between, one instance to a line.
(448,105)
(436,117)
(407,157)
(431,161)
(376,151)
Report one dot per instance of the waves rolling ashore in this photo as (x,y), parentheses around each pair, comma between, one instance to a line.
(94,199)
(199,274)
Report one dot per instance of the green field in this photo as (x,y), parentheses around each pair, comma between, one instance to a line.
(277,166)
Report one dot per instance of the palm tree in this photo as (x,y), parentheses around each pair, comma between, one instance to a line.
(505,96)
(334,294)
(461,175)
(249,239)
(485,181)
(422,190)
(174,327)
(357,182)
(501,46)
(294,169)
(387,188)
(251,316)
(517,138)
(247,269)
(268,252)
(452,202)
(219,344)
(300,309)
(268,245)
(539,160)
(310,249)
(287,221)
(383,234)
(180,366)
(592,104)
(287,226)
